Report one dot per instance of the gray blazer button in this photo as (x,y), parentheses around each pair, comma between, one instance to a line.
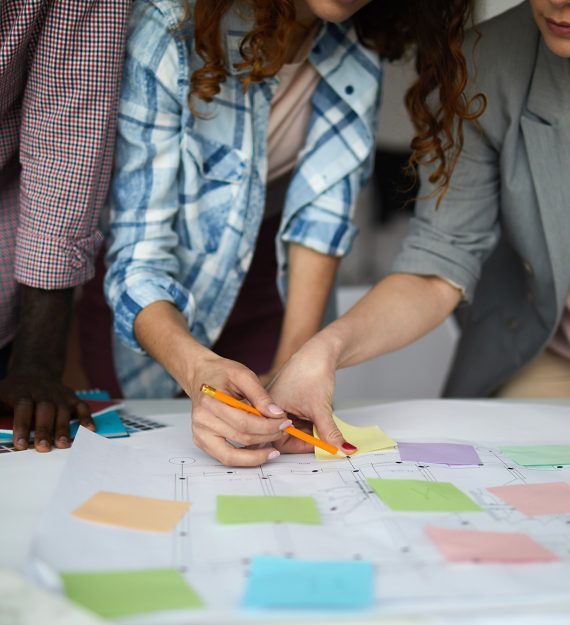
(528,268)
(512,324)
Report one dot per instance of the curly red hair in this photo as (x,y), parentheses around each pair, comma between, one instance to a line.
(433,29)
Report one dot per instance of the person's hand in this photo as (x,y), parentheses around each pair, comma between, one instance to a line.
(42,404)
(304,388)
(214,423)
(266,378)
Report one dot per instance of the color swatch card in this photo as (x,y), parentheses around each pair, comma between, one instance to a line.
(488,547)
(420,496)
(95,394)
(108,423)
(301,584)
(538,455)
(126,593)
(367,439)
(100,406)
(267,509)
(452,454)
(536,499)
(129,511)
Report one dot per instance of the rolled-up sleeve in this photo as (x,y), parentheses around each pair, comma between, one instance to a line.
(325,224)
(67,134)
(452,241)
(144,192)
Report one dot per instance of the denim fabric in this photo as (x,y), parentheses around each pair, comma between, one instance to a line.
(188,192)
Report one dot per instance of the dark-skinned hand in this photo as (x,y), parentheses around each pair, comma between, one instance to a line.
(44,405)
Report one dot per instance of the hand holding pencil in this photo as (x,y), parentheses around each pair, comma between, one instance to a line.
(293,431)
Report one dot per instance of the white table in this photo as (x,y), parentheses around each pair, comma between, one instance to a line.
(27,481)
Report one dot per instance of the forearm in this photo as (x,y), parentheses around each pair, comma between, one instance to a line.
(40,343)
(397,311)
(162,331)
(311,276)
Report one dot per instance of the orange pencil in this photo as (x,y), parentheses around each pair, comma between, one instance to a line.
(293,431)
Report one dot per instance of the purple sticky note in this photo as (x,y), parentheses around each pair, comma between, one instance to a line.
(439,453)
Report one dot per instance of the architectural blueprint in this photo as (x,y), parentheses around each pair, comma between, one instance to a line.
(410,573)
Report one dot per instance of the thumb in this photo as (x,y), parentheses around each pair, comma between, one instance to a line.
(260,398)
(329,432)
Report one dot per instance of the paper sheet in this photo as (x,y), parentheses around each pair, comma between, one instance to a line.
(116,594)
(459,545)
(536,499)
(367,439)
(268,509)
(293,583)
(538,455)
(419,496)
(454,454)
(410,574)
(138,513)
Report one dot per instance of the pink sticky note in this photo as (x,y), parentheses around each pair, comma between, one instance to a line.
(488,547)
(536,499)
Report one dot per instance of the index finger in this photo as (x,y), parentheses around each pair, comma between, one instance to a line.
(243,421)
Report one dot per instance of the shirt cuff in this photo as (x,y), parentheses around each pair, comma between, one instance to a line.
(140,294)
(46,262)
(455,275)
(321,231)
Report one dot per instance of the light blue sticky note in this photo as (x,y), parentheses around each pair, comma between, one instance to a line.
(108,424)
(304,584)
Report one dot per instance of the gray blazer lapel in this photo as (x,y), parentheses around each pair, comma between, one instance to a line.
(546,129)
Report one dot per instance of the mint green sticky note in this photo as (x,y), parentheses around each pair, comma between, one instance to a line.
(538,455)
(267,509)
(420,496)
(124,593)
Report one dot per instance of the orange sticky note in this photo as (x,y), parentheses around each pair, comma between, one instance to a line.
(133,512)
(488,547)
(536,499)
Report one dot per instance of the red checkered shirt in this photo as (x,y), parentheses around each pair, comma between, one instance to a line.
(60,65)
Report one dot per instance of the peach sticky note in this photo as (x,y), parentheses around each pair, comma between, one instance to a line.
(137,513)
(489,547)
(367,439)
(536,499)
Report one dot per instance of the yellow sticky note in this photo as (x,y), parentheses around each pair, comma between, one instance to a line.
(137,513)
(367,439)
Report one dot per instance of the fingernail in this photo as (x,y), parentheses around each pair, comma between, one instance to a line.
(273,408)
(91,426)
(63,439)
(349,448)
(22,442)
(274,454)
(285,424)
(43,444)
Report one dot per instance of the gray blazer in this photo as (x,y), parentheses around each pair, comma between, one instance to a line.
(503,230)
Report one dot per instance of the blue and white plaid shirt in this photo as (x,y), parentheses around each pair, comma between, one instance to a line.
(188,193)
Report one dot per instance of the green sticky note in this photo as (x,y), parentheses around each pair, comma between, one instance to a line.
(538,455)
(267,509)
(124,593)
(420,496)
